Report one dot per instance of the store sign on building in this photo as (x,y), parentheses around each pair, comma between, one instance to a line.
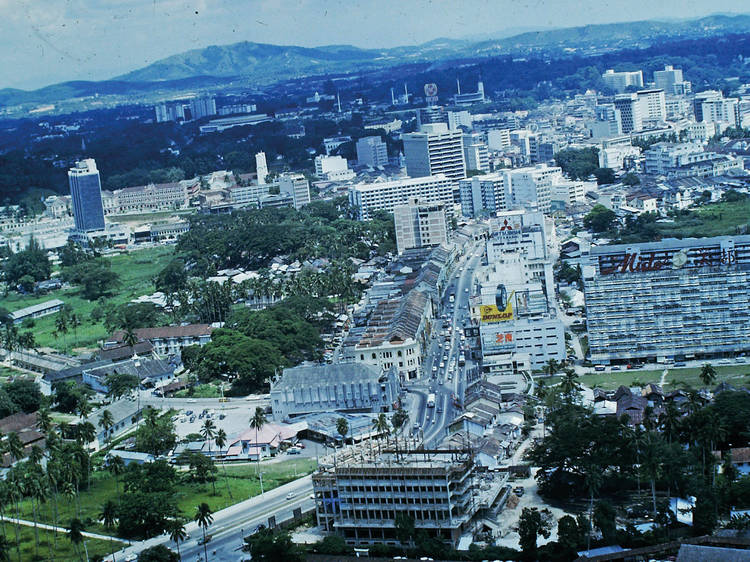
(657,261)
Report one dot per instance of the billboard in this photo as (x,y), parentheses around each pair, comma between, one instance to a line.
(497,339)
(501,311)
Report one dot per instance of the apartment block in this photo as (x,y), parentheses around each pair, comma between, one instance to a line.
(366,198)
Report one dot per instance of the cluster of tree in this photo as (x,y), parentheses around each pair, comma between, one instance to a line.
(567,273)
(21,395)
(671,454)
(580,163)
(251,239)
(255,344)
(95,277)
(26,267)
(600,219)
(11,338)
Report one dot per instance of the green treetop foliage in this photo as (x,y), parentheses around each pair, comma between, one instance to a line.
(578,163)
(31,263)
(600,219)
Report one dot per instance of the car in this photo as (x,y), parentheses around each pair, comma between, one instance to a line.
(724,362)
(680,364)
(192,419)
(204,540)
(519,491)
(415,427)
(434,368)
(222,416)
(223,399)
(294,451)
(466,290)
(291,496)
(192,401)
(439,409)
(615,367)
(442,365)
(189,413)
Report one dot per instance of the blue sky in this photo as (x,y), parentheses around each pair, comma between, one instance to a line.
(48,41)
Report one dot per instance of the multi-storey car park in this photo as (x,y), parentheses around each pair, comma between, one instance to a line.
(673,299)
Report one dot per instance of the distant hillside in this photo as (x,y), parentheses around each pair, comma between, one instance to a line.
(263,63)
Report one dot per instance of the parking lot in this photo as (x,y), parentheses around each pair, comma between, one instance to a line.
(232,417)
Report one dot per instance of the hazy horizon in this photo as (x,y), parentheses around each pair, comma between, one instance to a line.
(51,41)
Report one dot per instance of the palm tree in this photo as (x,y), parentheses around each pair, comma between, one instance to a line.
(381,427)
(4,549)
(203,516)
(75,322)
(83,408)
(653,457)
(14,446)
(61,325)
(257,422)
(14,495)
(116,466)
(551,367)
(130,339)
(44,420)
(106,421)
(176,529)
(75,534)
(208,431)
(570,384)
(108,517)
(221,442)
(708,375)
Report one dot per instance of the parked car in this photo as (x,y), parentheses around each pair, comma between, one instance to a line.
(519,491)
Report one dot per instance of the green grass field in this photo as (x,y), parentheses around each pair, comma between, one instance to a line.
(243,483)
(716,219)
(61,550)
(136,270)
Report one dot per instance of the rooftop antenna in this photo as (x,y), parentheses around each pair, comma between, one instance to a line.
(393,98)
(458,86)
(406,93)
(338,99)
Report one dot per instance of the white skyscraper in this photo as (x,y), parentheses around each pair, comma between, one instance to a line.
(667,78)
(420,225)
(619,81)
(631,112)
(435,150)
(653,104)
(261,167)
(365,198)
(372,151)
(297,186)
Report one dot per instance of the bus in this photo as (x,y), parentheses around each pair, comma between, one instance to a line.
(452,297)
(462,359)
(431,400)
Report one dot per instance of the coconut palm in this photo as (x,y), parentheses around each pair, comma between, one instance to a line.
(342,426)
(208,431)
(652,460)
(108,517)
(708,375)
(106,421)
(177,533)
(257,422)
(75,534)
(570,384)
(130,339)
(221,442)
(44,420)
(204,517)
(14,446)
(116,466)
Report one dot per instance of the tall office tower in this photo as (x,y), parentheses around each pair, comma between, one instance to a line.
(202,107)
(631,112)
(435,150)
(653,104)
(372,151)
(169,112)
(458,119)
(476,154)
(483,195)
(261,167)
(667,78)
(420,225)
(297,186)
(619,81)
(431,115)
(498,139)
(86,196)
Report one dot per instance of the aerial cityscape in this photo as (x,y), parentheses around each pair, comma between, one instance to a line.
(289,281)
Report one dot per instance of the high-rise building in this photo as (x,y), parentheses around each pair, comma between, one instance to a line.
(713,107)
(431,115)
(531,187)
(261,167)
(670,80)
(372,151)
(653,104)
(435,150)
(169,112)
(672,299)
(202,107)
(296,186)
(366,198)
(420,225)
(608,121)
(619,81)
(458,119)
(476,155)
(631,112)
(485,194)
(86,196)
(498,139)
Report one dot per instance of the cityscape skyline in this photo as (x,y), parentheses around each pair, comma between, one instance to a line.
(51,42)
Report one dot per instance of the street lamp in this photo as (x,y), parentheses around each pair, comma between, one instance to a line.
(261,482)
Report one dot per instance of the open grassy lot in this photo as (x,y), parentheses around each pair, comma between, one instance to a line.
(136,270)
(63,549)
(243,483)
(736,375)
(716,219)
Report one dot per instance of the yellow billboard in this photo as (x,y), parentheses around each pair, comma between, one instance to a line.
(490,313)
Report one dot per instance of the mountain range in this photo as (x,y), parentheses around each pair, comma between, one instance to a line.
(262,64)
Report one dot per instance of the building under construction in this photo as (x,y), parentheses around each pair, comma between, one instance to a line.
(368,496)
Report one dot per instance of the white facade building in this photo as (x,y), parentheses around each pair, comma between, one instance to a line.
(458,119)
(372,151)
(476,155)
(619,81)
(296,186)
(653,104)
(420,225)
(498,139)
(387,195)
(261,167)
(332,168)
(532,186)
(483,194)
(631,112)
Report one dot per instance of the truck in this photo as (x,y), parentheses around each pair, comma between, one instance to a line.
(452,298)
(462,359)
(431,400)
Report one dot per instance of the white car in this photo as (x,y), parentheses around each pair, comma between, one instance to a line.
(442,365)
(290,496)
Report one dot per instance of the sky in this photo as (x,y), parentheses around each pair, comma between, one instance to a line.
(48,41)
